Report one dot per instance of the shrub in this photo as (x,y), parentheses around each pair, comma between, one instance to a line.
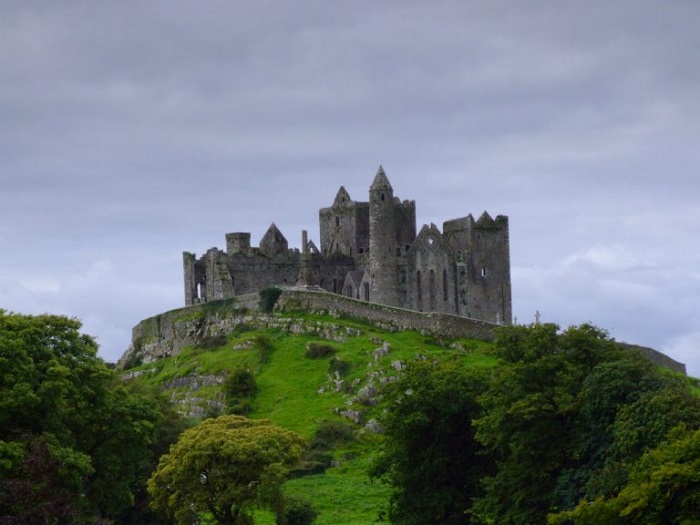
(331,434)
(268,299)
(318,350)
(299,511)
(337,365)
(240,387)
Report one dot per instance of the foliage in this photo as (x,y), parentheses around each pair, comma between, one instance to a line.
(338,366)
(240,388)
(268,299)
(663,487)
(225,467)
(264,346)
(566,416)
(316,350)
(75,443)
(299,511)
(429,436)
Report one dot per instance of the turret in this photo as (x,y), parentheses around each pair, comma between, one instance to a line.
(382,242)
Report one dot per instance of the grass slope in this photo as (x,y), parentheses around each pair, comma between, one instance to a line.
(303,393)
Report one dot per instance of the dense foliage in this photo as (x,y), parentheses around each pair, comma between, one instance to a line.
(569,427)
(76,444)
(225,467)
(430,454)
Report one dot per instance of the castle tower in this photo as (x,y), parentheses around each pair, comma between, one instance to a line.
(382,242)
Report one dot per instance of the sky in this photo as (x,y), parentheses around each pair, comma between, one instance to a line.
(134,130)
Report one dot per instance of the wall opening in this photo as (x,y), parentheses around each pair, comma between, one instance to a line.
(444,285)
(419,288)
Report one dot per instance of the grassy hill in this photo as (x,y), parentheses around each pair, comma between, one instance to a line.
(326,385)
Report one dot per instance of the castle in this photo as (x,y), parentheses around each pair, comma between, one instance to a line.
(370,251)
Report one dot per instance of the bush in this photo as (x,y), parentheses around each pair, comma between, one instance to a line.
(337,365)
(299,511)
(268,299)
(318,350)
(240,387)
(331,434)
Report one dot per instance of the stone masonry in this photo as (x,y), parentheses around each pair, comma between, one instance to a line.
(370,251)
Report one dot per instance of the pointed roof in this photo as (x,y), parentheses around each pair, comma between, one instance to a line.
(484,220)
(381,182)
(342,197)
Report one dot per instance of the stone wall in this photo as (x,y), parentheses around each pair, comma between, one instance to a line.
(436,324)
(168,333)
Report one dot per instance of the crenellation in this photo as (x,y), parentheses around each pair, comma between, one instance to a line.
(371,251)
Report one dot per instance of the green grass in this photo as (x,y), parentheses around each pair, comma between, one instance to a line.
(296,392)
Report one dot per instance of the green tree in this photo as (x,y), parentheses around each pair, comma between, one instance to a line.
(74,440)
(430,456)
(224,467)
(531,418)
(240,388)
(663,488)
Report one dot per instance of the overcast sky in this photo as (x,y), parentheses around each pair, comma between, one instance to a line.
(134,130)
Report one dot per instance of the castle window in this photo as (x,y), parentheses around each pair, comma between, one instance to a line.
(444,285)
(431,241)
(419,287)
(483,271)
(382,196)
(337,221)
(431,288)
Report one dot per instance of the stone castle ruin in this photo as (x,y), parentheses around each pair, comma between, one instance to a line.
(370,251)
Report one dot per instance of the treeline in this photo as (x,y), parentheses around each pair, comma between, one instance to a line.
(77,444)
(569,428)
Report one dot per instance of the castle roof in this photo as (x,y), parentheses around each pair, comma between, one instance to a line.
(342,197)
(381,182)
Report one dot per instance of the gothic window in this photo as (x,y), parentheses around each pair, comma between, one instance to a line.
(483,271)
(337,221)
(431,287)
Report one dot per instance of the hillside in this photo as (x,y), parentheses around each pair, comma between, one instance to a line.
(313,371)
(319,363)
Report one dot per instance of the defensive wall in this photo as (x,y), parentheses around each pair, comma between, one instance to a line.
(389,317)
(168,333)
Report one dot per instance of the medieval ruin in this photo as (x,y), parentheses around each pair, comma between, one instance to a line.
(370,251)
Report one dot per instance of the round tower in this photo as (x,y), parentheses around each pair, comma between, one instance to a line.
(382,242)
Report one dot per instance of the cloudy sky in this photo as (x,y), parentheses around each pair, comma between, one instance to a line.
(134,130)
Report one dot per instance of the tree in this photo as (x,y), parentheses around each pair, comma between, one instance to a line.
(531,417)
(663,487)
(429,455)
(224,467)
(74,440)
